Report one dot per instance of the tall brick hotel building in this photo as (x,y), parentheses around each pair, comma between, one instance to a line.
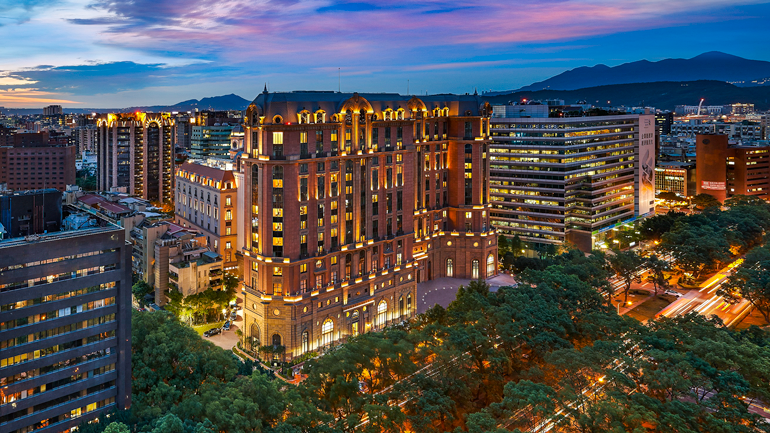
(354,199)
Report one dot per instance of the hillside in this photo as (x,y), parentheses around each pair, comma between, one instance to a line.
(662,95)
(713,65)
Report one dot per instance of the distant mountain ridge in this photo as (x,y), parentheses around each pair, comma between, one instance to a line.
(218,103)
(713,65)
(664,95)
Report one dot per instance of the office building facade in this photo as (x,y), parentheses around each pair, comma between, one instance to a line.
(566,180)
(33,161)
(136,154)
(725,170)
(211,140)
(65,328)
(354,199)
(675,176)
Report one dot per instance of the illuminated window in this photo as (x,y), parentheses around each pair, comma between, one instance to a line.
(277,137)
(382,313)
(450,268)
(277,271)
(327,332)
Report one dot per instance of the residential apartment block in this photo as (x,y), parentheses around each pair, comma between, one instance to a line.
(206,200)
(353,199)
(136,155)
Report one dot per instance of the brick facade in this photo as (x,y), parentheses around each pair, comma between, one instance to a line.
(340,231)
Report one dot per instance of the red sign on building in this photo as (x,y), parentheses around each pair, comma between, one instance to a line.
(714,186)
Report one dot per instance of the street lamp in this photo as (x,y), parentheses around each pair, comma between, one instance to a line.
(619,302)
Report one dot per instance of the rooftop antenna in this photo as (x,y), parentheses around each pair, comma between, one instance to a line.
(407,86)
(339,81)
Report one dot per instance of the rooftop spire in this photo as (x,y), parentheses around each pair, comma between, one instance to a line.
(265,91)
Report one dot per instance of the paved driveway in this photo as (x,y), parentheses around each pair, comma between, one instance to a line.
(227,339)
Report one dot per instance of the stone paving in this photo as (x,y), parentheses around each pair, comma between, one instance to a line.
(443,291)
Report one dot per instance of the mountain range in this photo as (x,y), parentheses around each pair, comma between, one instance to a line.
(662,95)
(713,65)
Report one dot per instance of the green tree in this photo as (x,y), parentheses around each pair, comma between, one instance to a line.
(669,196)
(703,201)
(695,247)
(625,265)
(751,281)
(657,269)
(172,363)
(503,245)
(654,227)
(117,427)
(141,289)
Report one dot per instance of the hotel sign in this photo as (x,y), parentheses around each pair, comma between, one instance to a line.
(713,186)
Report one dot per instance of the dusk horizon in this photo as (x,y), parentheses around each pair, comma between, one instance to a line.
(109,54)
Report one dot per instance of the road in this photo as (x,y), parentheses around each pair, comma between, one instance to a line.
(707,302)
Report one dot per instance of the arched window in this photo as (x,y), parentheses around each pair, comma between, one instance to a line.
(303,116)
(450,268)
(327,332)
(387,114)
(276,340)
(305,342)
(409,304)
(254,338)
(361,263)
(320,116)
(400,306)
(475,269)
(382,313)
(490,266)
(277,119)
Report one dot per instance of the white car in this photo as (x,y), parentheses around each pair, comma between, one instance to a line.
(672,293)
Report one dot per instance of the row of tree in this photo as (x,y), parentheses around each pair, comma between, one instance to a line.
(547,351)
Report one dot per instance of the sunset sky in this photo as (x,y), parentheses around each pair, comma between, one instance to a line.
(111,53)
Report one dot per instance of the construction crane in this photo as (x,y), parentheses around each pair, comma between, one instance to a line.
(699,106)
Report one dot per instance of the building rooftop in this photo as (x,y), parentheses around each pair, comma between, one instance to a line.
(289,104)
(64,234)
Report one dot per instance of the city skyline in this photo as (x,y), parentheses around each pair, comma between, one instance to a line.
(107,54)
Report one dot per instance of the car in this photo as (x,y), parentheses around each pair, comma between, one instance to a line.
(233,315)
(226,327)
(672,293)
(212,332)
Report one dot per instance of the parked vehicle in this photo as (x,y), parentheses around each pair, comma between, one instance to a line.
(672,293)
(211,332)
(233,316)
(227,326)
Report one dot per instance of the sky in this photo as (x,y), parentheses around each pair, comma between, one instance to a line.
(122,53)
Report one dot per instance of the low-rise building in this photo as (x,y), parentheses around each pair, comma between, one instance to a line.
(675,176)
(194,273)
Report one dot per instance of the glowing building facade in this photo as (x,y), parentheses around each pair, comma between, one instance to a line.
(351,201)
(136,154)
